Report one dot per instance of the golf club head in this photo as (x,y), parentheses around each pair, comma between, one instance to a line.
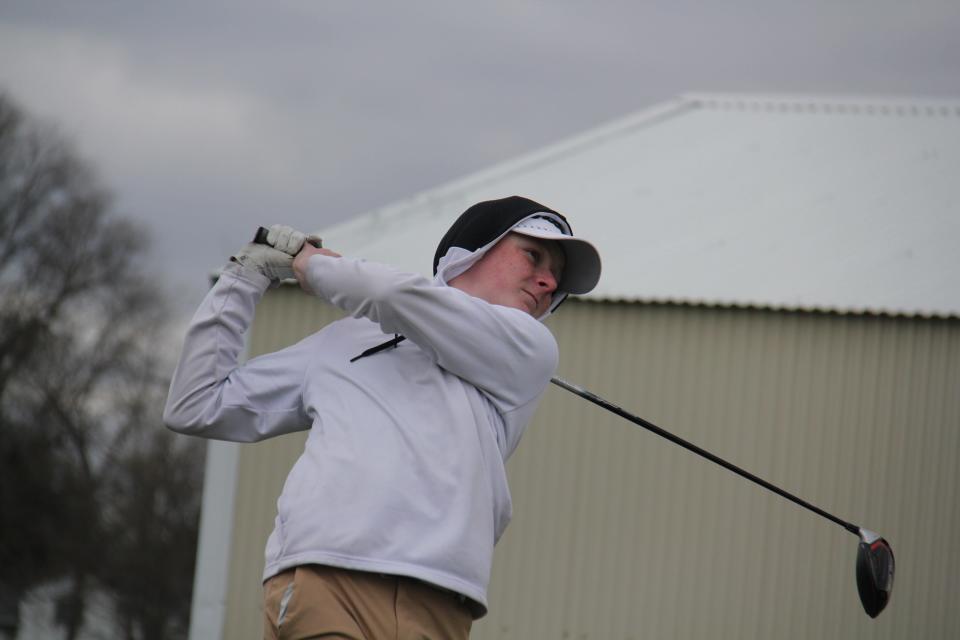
(875,568)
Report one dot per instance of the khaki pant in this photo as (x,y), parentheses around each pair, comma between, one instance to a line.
(314,601)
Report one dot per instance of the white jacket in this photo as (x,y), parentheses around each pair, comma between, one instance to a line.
(403,468)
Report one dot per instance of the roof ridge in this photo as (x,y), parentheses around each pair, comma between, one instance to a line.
(875,105)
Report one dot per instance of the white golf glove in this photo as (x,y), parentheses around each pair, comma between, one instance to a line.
(274,259)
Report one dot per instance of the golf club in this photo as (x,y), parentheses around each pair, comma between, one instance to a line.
(875,565)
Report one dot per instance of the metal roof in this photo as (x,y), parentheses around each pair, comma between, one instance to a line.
(841,204)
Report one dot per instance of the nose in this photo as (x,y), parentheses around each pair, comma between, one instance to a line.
(547,281)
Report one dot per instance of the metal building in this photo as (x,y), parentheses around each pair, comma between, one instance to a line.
(781,286)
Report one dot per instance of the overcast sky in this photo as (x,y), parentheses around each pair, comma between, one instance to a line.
(207,118)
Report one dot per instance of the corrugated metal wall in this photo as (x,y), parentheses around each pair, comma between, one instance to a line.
(620,534)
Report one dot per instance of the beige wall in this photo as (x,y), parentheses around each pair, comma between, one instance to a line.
(620,534)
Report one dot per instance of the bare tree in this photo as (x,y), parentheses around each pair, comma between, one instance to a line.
(87,473)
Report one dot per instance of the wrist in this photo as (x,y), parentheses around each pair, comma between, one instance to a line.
(235,268)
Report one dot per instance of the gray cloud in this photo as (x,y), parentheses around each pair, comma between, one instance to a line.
(207,118)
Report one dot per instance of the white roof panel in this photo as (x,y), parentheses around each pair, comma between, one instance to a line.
(787,202)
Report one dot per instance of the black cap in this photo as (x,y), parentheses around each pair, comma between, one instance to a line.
(486,221)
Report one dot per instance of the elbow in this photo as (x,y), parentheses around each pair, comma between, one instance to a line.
(215,423)
(544,356)
(192,410)
(526,376)
(185,415)
(176,419)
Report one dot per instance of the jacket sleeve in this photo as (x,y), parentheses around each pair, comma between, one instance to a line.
(505,352)
(210,394)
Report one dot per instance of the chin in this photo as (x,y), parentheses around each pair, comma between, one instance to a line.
(526,308)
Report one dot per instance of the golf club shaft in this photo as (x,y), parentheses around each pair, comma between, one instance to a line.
(261,238)
(649,426)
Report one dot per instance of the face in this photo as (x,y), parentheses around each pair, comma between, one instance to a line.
(519,272)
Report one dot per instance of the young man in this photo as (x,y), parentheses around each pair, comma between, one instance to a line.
(387,521)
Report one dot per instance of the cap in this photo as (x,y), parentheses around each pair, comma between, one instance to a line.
(487,221)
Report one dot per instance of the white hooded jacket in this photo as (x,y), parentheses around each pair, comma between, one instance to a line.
(403,469)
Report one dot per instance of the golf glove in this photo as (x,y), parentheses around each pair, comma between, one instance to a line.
(274,259)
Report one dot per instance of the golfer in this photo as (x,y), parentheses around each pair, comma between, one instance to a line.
(386,524)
